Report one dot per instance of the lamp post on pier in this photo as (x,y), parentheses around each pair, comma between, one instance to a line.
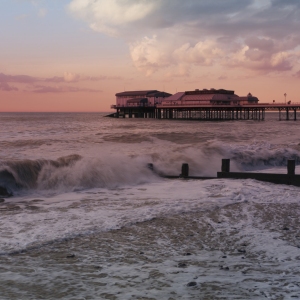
(285,97)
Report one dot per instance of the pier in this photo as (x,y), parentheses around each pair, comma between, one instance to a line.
(202,105)
(287,112)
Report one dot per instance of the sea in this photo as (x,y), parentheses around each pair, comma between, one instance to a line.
(81,175)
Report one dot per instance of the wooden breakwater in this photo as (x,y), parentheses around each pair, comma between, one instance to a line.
(290,178)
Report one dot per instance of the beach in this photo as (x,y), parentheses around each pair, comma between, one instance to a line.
(240,251)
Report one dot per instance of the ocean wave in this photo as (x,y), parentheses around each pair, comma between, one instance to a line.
(106,170)
(24,174)
(73,173)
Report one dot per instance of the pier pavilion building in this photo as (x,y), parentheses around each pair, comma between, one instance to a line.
(208,97)
(149,98)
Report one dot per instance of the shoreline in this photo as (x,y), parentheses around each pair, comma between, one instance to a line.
(243,250)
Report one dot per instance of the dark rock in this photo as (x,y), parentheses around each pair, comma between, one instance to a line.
(226,268)
(241,250)
(182,265)
(193,283)
(71,256)
(141,252)
(187,254)
(4,192)
(2,200)
(224,256)
(285,228)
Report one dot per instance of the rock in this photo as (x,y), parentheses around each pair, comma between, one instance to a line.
(193,283)
(2,200)
(285,228)
(241,250)
(224,256)
(182,265)
(187,254)
(4,192)
(71,256)
(141,252)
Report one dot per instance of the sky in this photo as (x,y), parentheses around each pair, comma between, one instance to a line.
(75,55)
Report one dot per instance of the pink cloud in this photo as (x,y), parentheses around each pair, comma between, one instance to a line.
(68,77)
(6,87)
(62,89)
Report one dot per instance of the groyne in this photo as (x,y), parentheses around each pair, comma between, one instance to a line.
(290,178)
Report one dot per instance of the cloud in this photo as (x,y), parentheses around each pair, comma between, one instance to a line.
(18,79)
(71,77)
(45,85)
(42,12)
(297,74)
(254,35)
(21,17)
(61,89)
(6,87)
(107,16)
(150,54)
(203,53)
(67,78)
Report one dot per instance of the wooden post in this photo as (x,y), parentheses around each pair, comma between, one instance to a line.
(185,170)
(150,166)
(291,164)
(225,165)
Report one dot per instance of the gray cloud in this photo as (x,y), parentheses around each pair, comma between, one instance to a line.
(257,35)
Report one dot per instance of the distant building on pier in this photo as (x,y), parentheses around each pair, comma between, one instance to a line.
(140,98)
(209,97)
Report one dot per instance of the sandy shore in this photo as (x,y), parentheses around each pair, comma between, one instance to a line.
(241,251)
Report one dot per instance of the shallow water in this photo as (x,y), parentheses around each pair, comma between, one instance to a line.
(75,175)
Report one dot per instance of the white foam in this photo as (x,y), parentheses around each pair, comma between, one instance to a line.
(75,213)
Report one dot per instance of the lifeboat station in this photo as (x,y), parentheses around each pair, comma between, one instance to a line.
(199,104)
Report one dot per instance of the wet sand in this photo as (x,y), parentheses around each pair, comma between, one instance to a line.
(241,251)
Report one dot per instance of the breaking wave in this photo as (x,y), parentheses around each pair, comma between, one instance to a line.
(71,173)
(74,172)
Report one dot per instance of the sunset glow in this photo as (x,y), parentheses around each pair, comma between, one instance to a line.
(75,55)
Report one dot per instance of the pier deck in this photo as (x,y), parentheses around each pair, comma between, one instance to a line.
(208,112)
